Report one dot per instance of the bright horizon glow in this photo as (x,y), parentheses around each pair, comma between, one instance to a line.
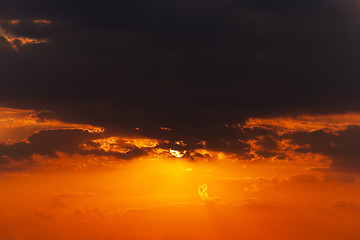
(168,194)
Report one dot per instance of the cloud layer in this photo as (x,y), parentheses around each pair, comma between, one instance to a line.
(182,71)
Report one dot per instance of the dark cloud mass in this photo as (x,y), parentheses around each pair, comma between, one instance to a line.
(45,143)
(192,66)
(342,147)
(51,142)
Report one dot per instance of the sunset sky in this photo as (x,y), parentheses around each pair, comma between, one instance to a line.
(180,120)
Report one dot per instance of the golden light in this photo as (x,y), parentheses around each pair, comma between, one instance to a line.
(42,21)
(17,124)
(332,122)
(178,154)
(143,142)
(162,196)
(203,194)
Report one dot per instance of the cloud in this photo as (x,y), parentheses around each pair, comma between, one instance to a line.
(70,141)
(91,214)
(139,69)
(318,144)
(203,194)
(58,204)
(346,205)
(43,216)
(19,124)
(304,178)
(129,211)
(75,194)
(341,147)
(18,175)
(46,143)
(344,178)
(257,204)
(189,66)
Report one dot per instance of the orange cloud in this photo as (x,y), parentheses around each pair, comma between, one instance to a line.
(18,124)
(176,153)
(42,21)
(258,140)
(17,41)
(332,122)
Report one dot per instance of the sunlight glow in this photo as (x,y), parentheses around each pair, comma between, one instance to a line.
(178,154)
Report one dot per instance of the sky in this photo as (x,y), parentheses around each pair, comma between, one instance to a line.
(179,120)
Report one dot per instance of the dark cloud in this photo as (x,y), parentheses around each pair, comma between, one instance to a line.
(303,178)
(43,116)
(131,153)
(344,178)
(46,143)
(192,66)
(27,28)
(43,216)
(346,205)
(341,147)
(50,142)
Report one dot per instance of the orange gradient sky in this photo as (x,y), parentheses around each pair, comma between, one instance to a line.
(90,193)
